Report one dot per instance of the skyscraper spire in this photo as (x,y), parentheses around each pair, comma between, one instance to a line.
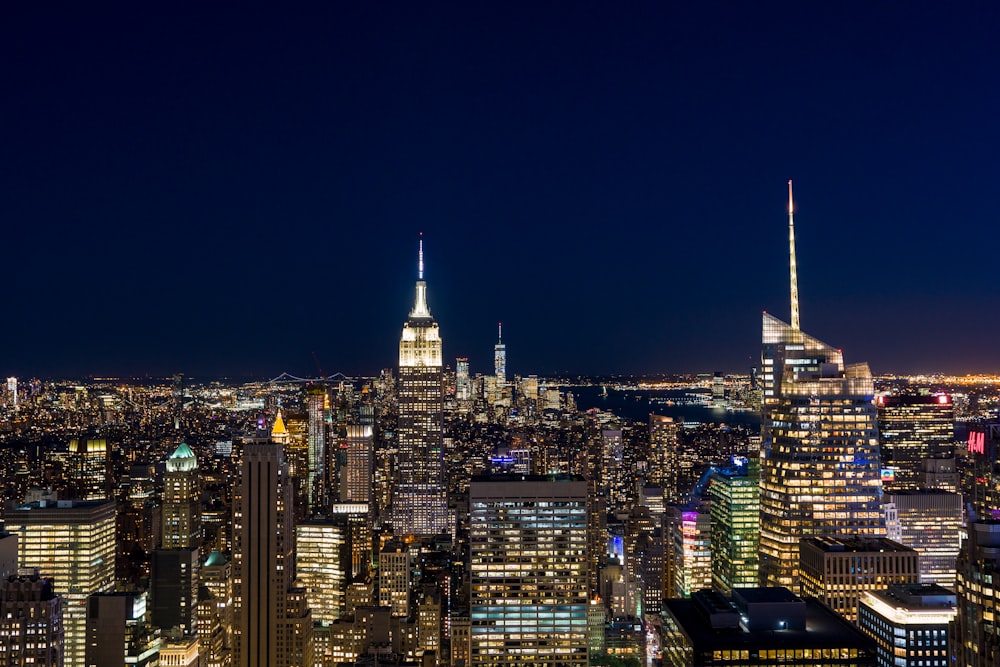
(499,332)
(791,261)
(420,308)
(420,254)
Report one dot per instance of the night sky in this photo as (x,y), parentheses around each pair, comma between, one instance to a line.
(219,191)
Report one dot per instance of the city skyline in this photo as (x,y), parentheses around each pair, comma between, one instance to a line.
(230,195)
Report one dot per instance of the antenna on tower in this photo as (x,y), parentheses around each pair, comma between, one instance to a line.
(420,257)
(794,274)
(499,332)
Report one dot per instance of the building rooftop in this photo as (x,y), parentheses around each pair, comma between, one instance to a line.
(831,544)
(823,629)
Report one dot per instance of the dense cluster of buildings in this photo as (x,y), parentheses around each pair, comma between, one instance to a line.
(432,517)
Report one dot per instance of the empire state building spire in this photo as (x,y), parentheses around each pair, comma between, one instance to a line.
(420,308)
(791,262)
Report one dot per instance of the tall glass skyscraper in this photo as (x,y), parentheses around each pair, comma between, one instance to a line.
(820,472)
(734,496)
(419,505)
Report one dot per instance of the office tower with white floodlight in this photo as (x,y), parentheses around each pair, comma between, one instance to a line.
(820,468)
(419,502)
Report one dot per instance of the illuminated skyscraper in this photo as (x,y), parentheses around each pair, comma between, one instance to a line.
(734,498)
(419,502)
(181,507)
(273,625)
(463,390)
(88,462)
(357,483)
(930,521)
(912,429)
(316,404)
(528,543)
(12,391)
(663,455)
(71,542)
(323,563)
(690,539)
(500,357)
(820,468)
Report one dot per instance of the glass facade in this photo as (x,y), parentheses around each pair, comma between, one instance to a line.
(322,560)
(529,572)
(734,496)
(820,464)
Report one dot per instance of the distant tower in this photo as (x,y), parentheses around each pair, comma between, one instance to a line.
(88,461)
(664,456)
(463,391)
(500,357)
(419,503)
(818,410)
(357,483)
(316,442)
(273,626)
(71,542)
(12,389)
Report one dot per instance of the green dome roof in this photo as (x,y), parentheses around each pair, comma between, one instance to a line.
(182,459)
(215,558)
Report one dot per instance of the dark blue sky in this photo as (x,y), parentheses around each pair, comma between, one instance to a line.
(219,191)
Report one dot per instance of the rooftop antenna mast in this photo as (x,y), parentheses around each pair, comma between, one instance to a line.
(791,261)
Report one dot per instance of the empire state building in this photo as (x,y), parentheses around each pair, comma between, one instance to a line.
(419,505)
